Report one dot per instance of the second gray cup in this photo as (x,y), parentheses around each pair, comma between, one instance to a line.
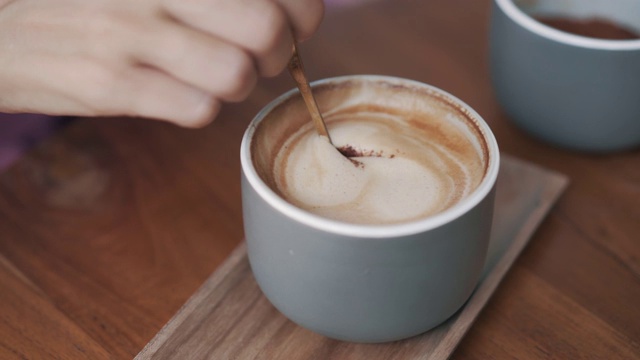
(574,91)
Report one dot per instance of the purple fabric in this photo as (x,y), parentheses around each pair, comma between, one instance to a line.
(18,132)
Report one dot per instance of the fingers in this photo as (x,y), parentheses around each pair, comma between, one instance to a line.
(226,43)
(261,27)
(208,63)
(148,93)
(305,16)
(258,26)
(143,92)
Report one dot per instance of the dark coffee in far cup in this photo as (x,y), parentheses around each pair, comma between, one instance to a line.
(594,27)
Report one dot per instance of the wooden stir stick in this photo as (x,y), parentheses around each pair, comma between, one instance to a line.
(297,72)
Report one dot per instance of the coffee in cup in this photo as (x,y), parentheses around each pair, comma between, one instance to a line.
(407,158)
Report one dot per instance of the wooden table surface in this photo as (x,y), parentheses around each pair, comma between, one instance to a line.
(108,227)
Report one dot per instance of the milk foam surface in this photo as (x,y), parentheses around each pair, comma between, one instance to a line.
(404,174)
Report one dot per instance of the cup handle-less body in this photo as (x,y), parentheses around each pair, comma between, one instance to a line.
(580,97)
(365,290)
(364,283)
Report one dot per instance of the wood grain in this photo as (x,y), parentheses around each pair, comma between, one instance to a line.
(23,307)
(229,318)
(111,225)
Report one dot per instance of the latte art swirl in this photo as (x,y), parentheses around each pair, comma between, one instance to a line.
(412,166)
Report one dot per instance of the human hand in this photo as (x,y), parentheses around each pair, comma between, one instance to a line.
(174,60)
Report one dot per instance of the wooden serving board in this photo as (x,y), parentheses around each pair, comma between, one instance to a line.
(229,318)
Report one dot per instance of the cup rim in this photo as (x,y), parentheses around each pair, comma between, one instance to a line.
(529,23)
(363,230)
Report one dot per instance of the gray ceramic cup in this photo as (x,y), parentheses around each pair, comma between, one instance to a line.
(577,92)
(362,283)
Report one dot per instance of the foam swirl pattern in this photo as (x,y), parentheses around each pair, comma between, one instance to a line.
(411,168)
